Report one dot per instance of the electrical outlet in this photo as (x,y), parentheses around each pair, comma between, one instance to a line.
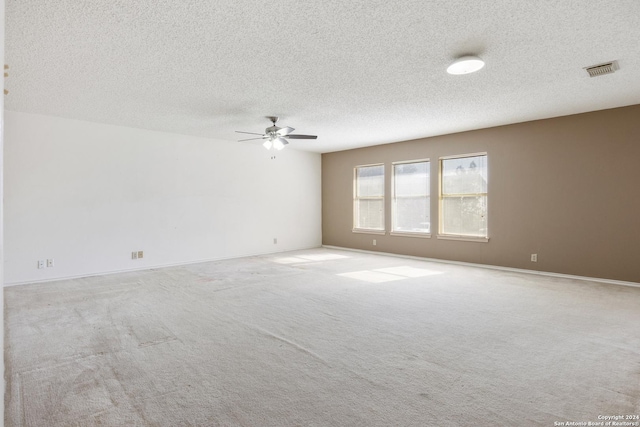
(140,254)
(41,263)
(374,242)
(534,257)
(275,241)
(134,255)
(50,262)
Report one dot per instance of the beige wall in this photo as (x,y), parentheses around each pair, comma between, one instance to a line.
(566,188)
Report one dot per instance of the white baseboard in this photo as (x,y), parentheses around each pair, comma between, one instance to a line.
(492,267)
(148,267)
(443,261)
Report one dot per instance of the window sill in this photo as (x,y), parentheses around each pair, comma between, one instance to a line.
(409,234)
(361,231)
(463,238)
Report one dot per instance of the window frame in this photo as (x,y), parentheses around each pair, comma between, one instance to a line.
(355,207)
(441,196)
(404,233)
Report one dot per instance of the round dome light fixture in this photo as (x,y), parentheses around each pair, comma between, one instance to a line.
(465,65)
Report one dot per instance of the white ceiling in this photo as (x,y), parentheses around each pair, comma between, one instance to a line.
(356,73)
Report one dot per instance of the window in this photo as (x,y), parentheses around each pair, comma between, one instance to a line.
(368,201)
(410,206)
(463,196)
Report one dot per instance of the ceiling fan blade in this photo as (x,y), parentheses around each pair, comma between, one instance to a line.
(250,133)
(248,139)
(302,136)
(284,141)
(285,131)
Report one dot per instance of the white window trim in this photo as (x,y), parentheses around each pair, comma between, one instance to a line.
(423,234)
(410,234)
(383,230)
(368,231)
(444,236)
(462,238)
(462,156)
(404,162)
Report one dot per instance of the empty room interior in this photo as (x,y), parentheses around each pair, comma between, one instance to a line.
(237,213)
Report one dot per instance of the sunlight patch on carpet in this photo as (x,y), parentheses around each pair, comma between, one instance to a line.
(322,257)
(289,260)
(389,274)
(309,258)
(372,276)
(406,271)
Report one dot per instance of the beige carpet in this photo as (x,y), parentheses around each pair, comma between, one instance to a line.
(320,338)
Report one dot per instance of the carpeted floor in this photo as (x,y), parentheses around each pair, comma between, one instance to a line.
(320,338)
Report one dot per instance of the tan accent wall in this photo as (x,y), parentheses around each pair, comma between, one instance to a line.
(566,188)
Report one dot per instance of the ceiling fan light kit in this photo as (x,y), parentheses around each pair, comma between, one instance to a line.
(276,136)
(465,65)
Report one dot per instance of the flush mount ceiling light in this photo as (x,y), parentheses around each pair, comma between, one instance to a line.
(465,65)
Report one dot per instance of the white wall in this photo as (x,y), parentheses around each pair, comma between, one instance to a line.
(1,216)
(88,194)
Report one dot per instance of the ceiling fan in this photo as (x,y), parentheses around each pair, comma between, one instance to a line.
(275,136)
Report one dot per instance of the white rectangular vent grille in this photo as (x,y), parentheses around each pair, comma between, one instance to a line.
(600,69)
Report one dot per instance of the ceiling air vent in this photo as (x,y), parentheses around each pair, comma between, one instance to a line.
(600,69)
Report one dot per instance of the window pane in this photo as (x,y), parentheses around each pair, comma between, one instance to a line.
(370,214)
(464,175)
(410,209)
(370,181)
(411,179)
(466,215)
(412,214)
(369,198)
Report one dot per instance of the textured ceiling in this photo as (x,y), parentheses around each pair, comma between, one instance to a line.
(355,73)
